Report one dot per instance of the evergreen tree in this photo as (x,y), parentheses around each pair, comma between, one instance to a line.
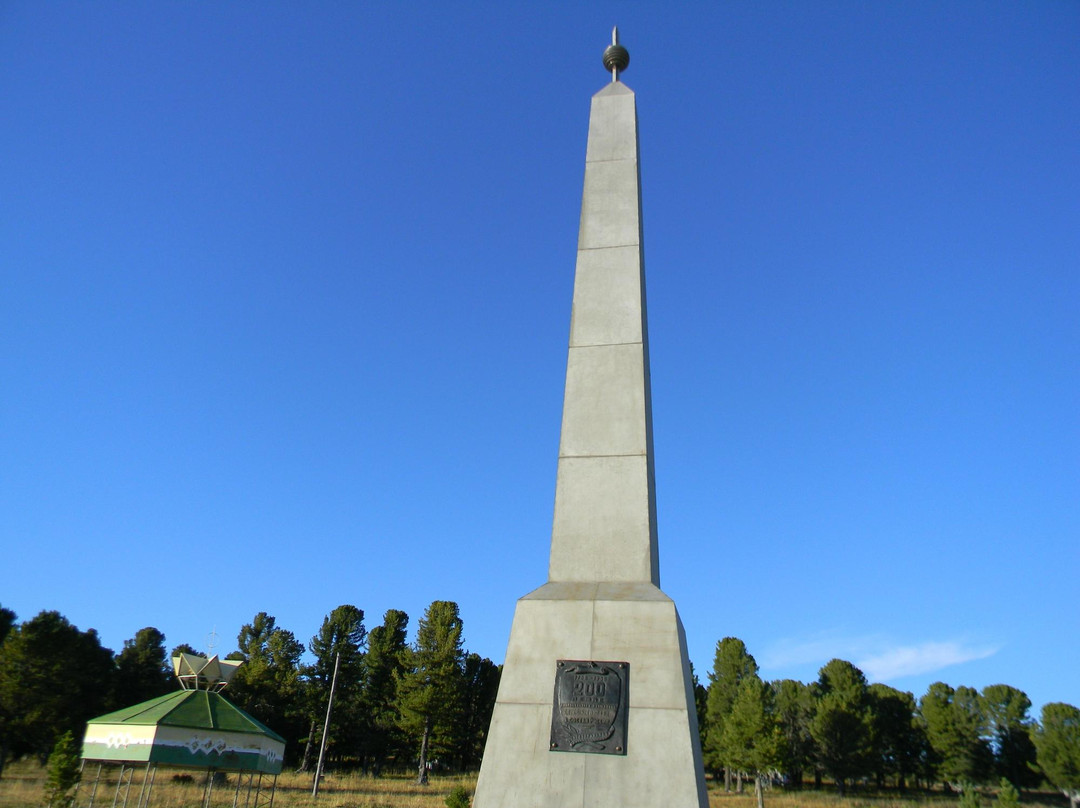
(53,678)
(386,661)
(254,636)
(897,741)
(731,665)
(841,726)
(342,633)
(1006,712)
(750,741)
(142,672)
(268,685)
(969,796)
(793,705)
(1008,796)
(1057,742)
(62,771)
(480,687)
(955,728)
(183,648)
(430,691)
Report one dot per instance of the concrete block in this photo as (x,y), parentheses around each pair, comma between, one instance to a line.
(602,528)
(609,206)
(540,629)
(607,297)
(604,403)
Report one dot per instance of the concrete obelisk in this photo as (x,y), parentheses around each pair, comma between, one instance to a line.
(595,708)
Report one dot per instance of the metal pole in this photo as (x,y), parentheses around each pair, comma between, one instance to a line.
(150,787)
(93,792)
(326,727)
(209,790)
(120,782)
(75,793)
(142,788)
(251,784)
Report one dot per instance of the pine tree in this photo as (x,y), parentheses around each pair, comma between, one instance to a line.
(342,633)
(62,772)
(53,678)
(969,797)
(386,660)
(268,685)
(955,728)
(1057,741)
(1006,712)
(142,672)
(897,741)
(731,665)
(183,648)
(430,690)
(1008,796)
(750,741)
(841,723)
(480,687)
(794,708)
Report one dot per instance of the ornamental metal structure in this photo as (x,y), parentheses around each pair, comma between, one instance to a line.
(195,728)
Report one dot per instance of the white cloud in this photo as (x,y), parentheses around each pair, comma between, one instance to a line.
(910,660)
(880,658)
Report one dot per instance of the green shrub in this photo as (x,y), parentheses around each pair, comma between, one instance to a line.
(62,772)
(1007,797)
(458,798)
(969,797)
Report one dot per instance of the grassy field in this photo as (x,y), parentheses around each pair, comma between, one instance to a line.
(22,787)
(809,798)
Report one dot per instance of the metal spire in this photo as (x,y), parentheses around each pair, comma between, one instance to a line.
(616,57)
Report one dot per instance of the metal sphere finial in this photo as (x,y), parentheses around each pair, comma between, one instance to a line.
(616,57)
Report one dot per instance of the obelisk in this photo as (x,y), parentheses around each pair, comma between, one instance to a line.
(595,707)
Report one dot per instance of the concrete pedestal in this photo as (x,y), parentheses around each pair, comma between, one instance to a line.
(631,622)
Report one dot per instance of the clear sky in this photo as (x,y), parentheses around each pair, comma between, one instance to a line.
(285,297)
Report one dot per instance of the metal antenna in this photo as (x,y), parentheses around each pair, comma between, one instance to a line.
(615,41)
(616,57)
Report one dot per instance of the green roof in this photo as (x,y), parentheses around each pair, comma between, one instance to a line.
(193,709)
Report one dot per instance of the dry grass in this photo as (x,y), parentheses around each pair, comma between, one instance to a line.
(808,798)
(23,784)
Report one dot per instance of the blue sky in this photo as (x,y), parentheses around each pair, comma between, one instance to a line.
(285,296)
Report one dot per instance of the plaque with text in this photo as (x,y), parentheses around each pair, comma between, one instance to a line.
(591,703)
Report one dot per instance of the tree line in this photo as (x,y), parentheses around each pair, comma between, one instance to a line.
(429,702)
(851,731)
(395,703)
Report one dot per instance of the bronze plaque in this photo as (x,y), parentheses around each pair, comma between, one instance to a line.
(591,703)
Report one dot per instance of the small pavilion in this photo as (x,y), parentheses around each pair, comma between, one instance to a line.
(195,728)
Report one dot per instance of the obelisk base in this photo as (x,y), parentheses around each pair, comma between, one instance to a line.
(628,622)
